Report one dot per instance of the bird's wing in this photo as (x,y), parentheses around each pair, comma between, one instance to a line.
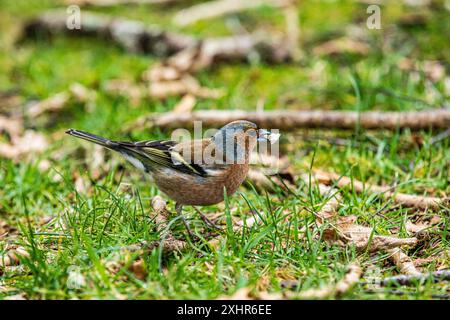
(202,154)
(162,153)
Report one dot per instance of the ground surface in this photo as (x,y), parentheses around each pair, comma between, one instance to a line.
(113,210)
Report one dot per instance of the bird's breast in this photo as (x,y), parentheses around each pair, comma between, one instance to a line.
(197,190)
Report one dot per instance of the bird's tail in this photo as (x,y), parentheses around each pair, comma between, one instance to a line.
(126,149)
(93,138)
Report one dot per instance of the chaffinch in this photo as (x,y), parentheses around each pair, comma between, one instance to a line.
(195,172)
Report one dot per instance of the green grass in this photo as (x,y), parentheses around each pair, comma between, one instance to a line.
(90,228)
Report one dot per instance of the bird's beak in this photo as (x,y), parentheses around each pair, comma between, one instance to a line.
(265,135)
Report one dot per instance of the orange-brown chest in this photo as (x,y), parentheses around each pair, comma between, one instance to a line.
(190,190)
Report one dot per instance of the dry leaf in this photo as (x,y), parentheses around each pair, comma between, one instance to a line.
(51,104)
(21,144)
(433,70)
(346,232)
(44,165)
(139,269)
(161,72)
(6,229)
(186,104)
(11,256)
(10,101)
(342,286)
(188,60)
(30,143)
(409,200)
(80,185)
(59,101)
(415,228)
(19,296)
(134,92)
(340,46)
(240,294)
(423,261)
(12,127)
(96,162)
(185,85)
(46,220)
(435,220)
(81,93)
(403,262)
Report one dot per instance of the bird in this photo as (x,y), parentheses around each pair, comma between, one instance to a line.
(194,172)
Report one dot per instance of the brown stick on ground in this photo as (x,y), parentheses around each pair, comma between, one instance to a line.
(441,275)
(403,262)
(343,229)
(218,8)
(107,3)
(136,36)
(415,201)
(291,120)
(130,34)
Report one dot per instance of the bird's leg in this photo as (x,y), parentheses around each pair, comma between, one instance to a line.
(206,220)
(179,210)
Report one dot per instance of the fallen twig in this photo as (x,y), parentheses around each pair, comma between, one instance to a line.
(184,86)
(405,293)
(212,9)
(403,262)
(21,146)
(363,238)
(342,45)
(131,35)
(135,36)
(415,201)
(124,87)
(107,3)
(344,231)
(186,104)
(404,280)
(59,101)
(292,120)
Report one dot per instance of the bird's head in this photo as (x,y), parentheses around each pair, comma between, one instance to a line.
(236,140)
